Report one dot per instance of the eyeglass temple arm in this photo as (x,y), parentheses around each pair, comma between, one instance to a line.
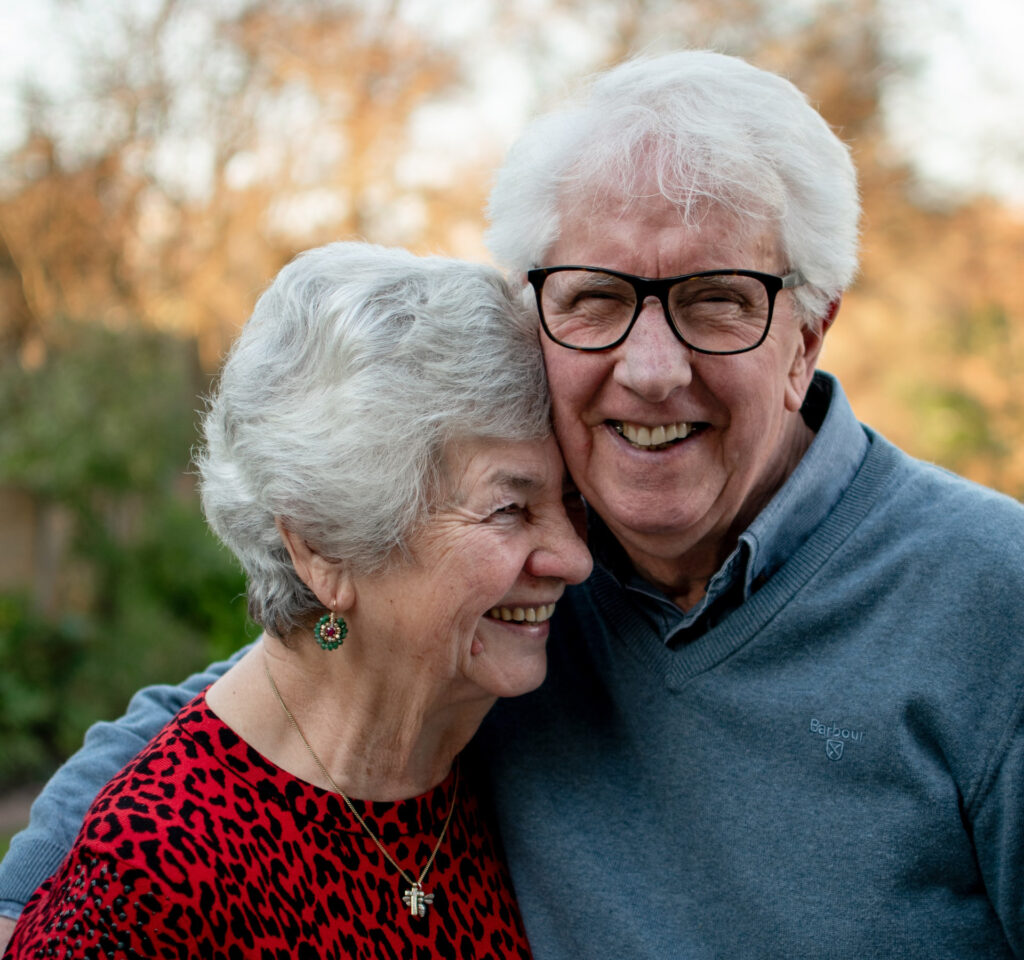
(794,279)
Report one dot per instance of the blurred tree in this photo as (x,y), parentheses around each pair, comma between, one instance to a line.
(223,142)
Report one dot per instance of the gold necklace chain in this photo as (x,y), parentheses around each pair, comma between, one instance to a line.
(414,898)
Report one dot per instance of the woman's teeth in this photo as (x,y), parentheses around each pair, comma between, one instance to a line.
(653,437)
(523,614)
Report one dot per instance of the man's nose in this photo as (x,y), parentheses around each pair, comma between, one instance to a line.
(653,362)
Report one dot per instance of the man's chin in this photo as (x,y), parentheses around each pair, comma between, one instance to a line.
(659,524)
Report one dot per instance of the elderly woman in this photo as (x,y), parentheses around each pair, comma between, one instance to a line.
(378,455)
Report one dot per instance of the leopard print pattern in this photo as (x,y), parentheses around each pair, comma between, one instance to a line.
(203,848)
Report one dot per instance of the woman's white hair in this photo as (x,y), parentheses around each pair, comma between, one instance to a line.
(339,401)
(709,131)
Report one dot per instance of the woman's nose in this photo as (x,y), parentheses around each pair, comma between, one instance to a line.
(562,555)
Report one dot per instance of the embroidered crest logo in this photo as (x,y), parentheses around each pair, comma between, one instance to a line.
(834,749)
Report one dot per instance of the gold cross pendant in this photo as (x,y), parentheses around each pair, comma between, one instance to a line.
(417,901)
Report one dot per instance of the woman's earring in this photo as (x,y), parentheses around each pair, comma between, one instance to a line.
(330,631)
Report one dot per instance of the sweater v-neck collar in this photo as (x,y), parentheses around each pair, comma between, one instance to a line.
(643,632)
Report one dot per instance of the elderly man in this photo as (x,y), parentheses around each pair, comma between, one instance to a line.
(785,716)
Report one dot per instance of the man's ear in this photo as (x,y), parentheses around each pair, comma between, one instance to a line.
(328,578)
(806,357)
(829,317)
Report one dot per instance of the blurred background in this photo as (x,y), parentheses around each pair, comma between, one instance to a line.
(161,159)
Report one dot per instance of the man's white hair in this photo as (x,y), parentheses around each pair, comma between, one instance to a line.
(707,131)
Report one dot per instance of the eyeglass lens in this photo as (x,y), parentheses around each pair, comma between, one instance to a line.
(719,313)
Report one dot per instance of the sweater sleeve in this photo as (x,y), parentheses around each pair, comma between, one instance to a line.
(998,829)
(57,813)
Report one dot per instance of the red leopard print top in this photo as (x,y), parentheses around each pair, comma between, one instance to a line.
(201,847)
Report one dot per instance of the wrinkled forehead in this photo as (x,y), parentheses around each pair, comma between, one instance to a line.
(469,463)
(590,223)
(697,196)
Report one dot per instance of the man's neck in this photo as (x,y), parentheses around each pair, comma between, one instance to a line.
(682,570)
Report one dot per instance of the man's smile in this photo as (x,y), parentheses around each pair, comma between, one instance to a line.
(654,438)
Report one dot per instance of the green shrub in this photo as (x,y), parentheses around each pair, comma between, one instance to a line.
(104,431)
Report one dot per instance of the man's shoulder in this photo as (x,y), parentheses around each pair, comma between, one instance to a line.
(960,544)
(942,501)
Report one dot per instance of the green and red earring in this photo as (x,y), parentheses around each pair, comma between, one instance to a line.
(330,631)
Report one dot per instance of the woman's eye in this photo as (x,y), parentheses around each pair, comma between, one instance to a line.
(510,509)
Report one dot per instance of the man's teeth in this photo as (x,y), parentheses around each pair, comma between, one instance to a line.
(653,436)
(523,614)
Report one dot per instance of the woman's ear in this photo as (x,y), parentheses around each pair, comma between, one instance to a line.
(329,579)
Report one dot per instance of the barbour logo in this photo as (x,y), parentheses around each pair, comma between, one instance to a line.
(836,737)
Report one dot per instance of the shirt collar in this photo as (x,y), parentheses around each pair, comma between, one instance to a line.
(803,501)
(814,487)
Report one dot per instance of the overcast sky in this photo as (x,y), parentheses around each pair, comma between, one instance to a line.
(963,118)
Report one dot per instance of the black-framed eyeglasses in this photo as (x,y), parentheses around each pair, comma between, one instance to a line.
(717,311)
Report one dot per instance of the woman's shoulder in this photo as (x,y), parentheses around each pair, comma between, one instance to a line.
(171,807)
(97,903)
(133,868)
(161,768)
